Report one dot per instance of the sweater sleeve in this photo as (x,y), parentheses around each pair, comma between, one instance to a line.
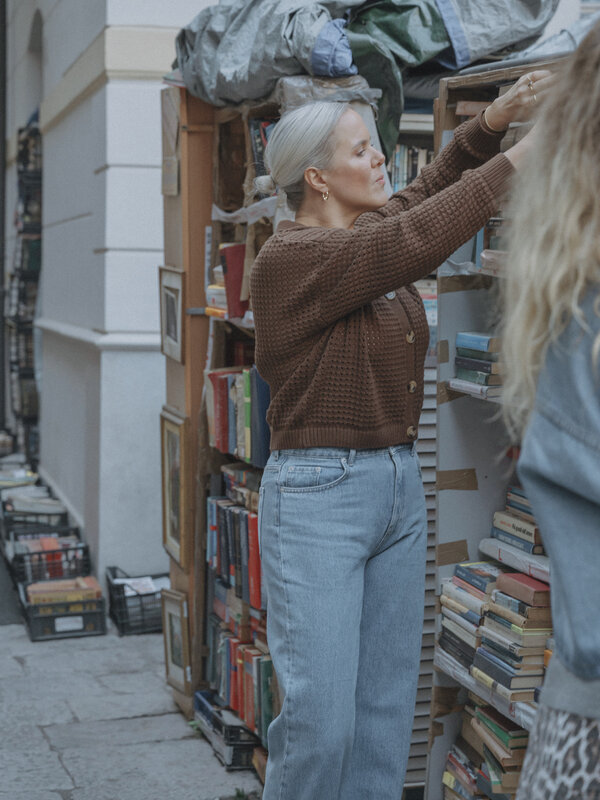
(471,146)
(361,264)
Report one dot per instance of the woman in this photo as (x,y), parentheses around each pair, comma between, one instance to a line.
(552,394)
(341,337)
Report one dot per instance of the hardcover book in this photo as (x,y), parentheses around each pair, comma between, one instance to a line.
(479,364)
(516,541)
(232,260)
(504,674)
(478,341)
(522,610)
(516,526)
(480,378)
(529,590)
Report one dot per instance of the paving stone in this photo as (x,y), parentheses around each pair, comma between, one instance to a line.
(186,770)
(29,770)
(141,694)
(79,735)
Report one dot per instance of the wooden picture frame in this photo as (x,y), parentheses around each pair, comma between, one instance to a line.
(175,485)
(176,638)
(172,310)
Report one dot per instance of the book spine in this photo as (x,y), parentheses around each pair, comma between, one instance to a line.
(247,415)
(478,355)
(477,364)
(478,581)
(473,376)
(473,341)
(459,620)
(463,597)
(462,611)
(492,669)
(468,587)
(517,527)
(516,541)
(510,603)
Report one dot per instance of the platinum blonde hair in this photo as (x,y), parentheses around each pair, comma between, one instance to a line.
(554,233)
(301,139)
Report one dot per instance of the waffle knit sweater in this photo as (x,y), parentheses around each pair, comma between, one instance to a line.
(343,361)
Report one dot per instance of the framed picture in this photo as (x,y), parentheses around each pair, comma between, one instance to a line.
(172,309)
(175,485)
(177,640)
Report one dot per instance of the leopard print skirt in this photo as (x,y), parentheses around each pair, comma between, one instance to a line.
(563,758)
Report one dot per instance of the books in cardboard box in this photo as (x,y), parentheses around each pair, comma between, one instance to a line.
(69,590)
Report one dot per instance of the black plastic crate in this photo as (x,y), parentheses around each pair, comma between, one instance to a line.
(10,518)
(69,561)
(232,742)
(61,620)
(136,612)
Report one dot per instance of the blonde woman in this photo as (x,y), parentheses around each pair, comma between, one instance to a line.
(552,399)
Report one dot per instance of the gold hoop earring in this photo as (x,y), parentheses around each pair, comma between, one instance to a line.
(325,195)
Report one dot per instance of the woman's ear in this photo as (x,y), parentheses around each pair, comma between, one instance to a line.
(314,178)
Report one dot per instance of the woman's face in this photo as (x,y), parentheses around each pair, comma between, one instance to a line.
(355,176)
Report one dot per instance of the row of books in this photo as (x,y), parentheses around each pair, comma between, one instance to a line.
(478,368)
(232,548)
(237,399)
(245,681)
(224,294)
(498,625)
(406,163)
(487,758)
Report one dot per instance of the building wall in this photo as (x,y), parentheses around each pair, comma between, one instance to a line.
(96,79)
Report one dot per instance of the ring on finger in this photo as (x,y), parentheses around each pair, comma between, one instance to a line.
(534,98)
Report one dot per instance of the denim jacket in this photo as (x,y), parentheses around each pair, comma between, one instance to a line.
(560,471)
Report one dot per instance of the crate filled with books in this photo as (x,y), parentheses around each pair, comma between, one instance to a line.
(134,602)
(494,624)
(49,564)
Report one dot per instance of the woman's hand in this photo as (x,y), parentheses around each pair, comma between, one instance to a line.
(521,100)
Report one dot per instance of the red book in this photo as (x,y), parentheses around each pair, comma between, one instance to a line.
(528,590)
(232,260)
(234,699)
(52,556)
(250,653)
(469,588)
(254,562)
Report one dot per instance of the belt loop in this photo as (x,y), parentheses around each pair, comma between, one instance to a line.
(351,457)
(275,454)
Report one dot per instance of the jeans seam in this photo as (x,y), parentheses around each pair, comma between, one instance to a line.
(289,650)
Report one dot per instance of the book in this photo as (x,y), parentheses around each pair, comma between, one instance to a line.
(469,588)
(505,780)
(260,433)
(504,675)
(501,604)
(480,378)
(473,640)
(523,587)
(252,658)
(216,297)
(484,785)
(516,511)
(463,597)
(520,664)
(254,573)
(244,548)
(480,574)
(479,364)
(504,729)
(457,643)
(463,611)
(247,414)
(232,257)
(510,695)
(460,654)
(505,521)
(504,755)
(504,640)
(231,414)
(535,637)
(470,627)
(480,355)
(478,341)
(516,541)
(468,387)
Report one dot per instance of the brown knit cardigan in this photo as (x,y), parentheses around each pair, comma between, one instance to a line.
(343,360)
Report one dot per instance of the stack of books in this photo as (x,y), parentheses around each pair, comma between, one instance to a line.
(406,163)
(67,590)
(224,293)
(464,601)
(237,399)
(478,369)
(516,626)
(516,525)
(494,749)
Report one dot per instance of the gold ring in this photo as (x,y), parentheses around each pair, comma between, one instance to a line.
(534,98)
(530,84)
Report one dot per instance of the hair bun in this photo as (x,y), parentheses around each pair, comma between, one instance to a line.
(265,184)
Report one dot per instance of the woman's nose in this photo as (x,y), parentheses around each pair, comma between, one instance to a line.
(378,158)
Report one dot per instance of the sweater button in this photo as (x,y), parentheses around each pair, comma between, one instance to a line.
(412,387)
(410,337)
(411,432)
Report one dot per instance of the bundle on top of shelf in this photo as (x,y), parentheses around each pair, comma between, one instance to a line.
(478,369)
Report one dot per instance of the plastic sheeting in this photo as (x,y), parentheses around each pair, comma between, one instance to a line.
(236,51)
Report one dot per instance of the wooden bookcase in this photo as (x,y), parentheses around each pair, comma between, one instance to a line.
(473,469)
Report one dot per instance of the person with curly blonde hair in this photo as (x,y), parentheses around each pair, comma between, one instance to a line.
(551,343)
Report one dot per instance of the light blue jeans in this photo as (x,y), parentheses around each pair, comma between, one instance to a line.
(343,537)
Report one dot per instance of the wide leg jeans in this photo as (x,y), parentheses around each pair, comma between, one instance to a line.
(343,538)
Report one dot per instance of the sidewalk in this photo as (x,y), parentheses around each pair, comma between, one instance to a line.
(93,719)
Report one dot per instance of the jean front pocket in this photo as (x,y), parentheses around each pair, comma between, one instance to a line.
(313,477)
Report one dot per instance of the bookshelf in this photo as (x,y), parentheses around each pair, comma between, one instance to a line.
(473,464)
(208,158)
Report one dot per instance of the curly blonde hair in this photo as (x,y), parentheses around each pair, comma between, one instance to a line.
(554,230)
